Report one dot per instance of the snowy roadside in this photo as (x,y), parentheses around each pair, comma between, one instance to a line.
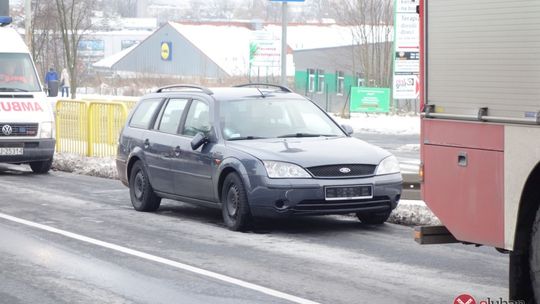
(382,123)
(408,212)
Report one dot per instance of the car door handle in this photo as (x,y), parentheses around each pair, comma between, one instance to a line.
(146,143)
(177,151)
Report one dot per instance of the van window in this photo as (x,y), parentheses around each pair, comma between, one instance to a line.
(144,113)
(17,73)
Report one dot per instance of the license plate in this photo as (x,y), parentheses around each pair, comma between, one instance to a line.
(11,151)
(348,192)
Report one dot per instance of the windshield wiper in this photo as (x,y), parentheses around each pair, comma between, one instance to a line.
(306,135)
(246,138)
(5,89)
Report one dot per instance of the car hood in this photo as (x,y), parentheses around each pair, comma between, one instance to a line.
(311,152)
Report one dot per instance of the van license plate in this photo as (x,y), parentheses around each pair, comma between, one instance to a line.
(11,151)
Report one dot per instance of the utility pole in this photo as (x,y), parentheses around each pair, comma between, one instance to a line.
(284,43)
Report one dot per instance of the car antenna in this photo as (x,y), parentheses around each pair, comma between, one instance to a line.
(262,94)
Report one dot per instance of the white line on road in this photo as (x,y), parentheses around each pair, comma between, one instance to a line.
(157,259)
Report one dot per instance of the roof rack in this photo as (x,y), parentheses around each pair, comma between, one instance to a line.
(282,88)
(185,86)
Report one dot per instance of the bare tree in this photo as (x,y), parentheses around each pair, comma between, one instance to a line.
(46,45)
(74,21)
(372,30)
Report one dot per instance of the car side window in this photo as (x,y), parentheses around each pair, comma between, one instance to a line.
(198,119)
(172,114)
(142,117)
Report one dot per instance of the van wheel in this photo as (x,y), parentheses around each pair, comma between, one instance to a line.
(373,218)
(141,192)
(234,204)
(41,167)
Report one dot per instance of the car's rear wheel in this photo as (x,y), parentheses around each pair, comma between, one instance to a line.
(373,218)
(234,204)
(141,192)
(41,167)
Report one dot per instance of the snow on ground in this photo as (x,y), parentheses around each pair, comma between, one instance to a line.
(408,212)
(409,148)
(382,123)
(93,166)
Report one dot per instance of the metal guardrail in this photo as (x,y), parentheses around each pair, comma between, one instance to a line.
(90,127)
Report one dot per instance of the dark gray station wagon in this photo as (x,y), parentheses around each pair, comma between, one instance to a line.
(253,151)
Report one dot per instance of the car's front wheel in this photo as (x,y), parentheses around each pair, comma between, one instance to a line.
(234,204)
(141,192)
(373,218)
(41,167)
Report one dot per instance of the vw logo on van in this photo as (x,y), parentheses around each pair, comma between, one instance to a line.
(345,170)
(7,130)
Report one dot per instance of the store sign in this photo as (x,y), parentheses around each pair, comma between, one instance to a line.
(166,51)
(264,50)
(407,50)
(370,99)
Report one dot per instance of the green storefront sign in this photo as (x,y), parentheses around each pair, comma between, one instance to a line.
(370,99)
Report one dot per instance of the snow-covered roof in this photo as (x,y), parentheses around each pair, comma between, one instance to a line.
(228,43)
(227,46)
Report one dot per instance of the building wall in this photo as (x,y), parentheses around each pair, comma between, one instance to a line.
(186,59)
(326,62)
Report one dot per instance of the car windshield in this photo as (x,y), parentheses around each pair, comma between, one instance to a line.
(270,118)
(17,73)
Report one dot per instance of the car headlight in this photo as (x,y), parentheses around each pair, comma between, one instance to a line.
(276,169)
(46,130)
(388,165)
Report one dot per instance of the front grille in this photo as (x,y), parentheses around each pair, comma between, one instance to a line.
(18,129)
(377,204)
(334,170)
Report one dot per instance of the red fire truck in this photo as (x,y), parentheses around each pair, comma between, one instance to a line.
(480,131)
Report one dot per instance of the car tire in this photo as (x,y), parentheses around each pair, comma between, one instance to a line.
(234,204)
(141,192)
(373,218)
(534,257)
(41,167)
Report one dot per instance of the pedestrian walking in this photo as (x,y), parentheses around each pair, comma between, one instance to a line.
(64,82)
(51,77)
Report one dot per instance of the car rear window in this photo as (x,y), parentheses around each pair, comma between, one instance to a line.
(144,113)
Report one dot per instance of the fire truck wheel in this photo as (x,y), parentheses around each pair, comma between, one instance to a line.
(373,218)
(534,257)
(41,167)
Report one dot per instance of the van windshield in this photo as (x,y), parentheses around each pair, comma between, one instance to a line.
(17,73)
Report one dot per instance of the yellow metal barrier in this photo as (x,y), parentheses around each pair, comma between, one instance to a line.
(89,128)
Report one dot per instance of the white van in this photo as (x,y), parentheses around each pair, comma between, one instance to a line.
(27,131)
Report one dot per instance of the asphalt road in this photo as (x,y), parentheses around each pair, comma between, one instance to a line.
(67,238)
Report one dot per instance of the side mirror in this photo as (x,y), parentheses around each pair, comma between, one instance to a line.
(199,140)
(348,129)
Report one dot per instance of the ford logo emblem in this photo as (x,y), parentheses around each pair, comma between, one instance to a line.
(345,170)
(7,130)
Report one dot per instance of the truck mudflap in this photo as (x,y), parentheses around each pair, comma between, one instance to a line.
(428,235)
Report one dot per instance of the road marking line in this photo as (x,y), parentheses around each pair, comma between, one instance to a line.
(146,256)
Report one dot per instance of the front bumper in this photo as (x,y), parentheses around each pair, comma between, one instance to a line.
(33,150)
(277,198)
